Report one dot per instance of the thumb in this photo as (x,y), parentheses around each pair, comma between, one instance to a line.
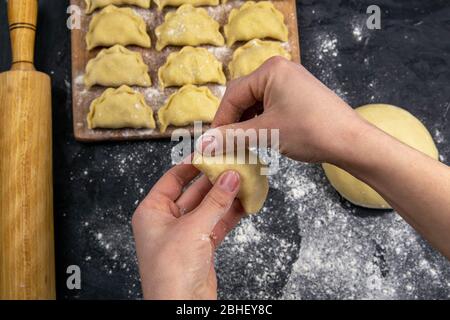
(232,137)
(217,202)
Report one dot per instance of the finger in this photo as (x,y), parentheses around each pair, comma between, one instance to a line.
(217,202)
(245,92)
(227,223)
(194,195)
(240,135)
(252,112)
(169,187)
(241,94)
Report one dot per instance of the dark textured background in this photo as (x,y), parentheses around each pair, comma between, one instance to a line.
(307,243)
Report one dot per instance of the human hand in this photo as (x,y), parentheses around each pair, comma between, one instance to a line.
(176,233)
(315,124)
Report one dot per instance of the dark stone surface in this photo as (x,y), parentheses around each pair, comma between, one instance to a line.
(306,243)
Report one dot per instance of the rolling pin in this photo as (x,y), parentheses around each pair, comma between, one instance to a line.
(27,267)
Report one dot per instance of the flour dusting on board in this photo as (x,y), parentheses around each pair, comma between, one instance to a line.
(155,95)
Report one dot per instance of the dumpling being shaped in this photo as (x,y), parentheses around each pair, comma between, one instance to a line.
(120,108)
(92,5)
(188,105)
(188,26)
(176,3)
(191,66)
(255,21)
(117,66)
(254,186)
(115,25)
(252,55)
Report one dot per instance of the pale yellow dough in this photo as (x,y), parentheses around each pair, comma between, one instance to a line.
(188,105)
(92,5)
(398,123)
(254,186)
(255,20)
(120,108)
(191,66)
(117,66)
(176,3)
(114,25)
(188,26)
(253,54)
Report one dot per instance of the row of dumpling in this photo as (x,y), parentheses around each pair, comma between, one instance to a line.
(92,5)
(118,66)
(126,108)
(187,26)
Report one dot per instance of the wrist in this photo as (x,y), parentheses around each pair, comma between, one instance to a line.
(348,141)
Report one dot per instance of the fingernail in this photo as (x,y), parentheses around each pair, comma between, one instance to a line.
(229,181)
(206,144)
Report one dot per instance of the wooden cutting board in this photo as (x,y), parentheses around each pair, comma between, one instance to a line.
(154,95)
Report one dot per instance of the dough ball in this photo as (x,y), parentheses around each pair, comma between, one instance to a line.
(254,185)
(398,123)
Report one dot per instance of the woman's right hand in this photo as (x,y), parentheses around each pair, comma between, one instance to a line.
(315,124)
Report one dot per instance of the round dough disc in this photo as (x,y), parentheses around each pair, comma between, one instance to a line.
(398,123)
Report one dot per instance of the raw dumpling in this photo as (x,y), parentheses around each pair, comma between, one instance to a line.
(117,66)
(120,108)
(191,66)
(176,3)
(115,25)
(188,26)
(92,5)
(398,123)
(252,55)
(188,105)
(254,185)
(255,21)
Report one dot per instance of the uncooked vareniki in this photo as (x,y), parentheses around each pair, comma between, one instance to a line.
(188,26)
(255,21)
(252,55)
(398,123)
(120,108)
(117,66)
(92,5)
(188,105)
(176,3)
(254,186)
(115,25)
(191,66)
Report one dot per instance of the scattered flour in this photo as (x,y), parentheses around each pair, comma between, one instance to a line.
(339,254)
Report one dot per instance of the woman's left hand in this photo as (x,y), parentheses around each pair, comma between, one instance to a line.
(177,232)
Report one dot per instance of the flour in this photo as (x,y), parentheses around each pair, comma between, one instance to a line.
(342,255)
(357,33)
(307,243)
(438,136)
(359,28)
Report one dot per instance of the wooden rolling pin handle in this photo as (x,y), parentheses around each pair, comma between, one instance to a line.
(22,16)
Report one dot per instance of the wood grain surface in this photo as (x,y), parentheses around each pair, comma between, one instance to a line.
(27,263)
(155,96)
